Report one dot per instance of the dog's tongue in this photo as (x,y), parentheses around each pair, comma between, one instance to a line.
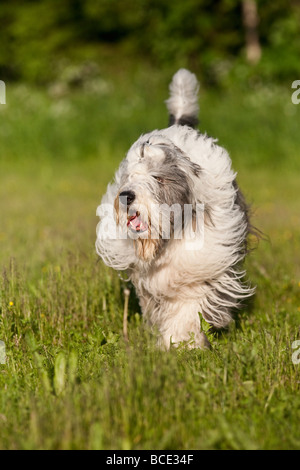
(137,224)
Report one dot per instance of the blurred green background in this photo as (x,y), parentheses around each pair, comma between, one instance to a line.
(41,40)
(83,80)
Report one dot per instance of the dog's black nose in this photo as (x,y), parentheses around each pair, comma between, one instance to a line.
(127,197)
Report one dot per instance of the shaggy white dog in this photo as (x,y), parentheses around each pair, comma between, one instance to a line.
(176,221)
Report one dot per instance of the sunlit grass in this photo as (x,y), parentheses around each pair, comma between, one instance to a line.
(70,380)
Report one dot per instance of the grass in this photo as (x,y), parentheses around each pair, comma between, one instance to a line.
(70,380)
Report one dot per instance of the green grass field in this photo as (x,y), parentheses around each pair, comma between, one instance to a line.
(70,381)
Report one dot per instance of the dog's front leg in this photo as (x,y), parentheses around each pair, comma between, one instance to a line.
(179,323)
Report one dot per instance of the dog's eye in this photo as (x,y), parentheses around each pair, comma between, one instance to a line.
(159,179)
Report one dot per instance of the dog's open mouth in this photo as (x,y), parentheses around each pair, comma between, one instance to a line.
(136,224)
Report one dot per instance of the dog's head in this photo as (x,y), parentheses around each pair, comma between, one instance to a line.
(155,198)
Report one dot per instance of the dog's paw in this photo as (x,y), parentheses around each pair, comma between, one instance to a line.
(195,341)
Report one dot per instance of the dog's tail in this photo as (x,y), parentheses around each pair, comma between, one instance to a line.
(183,101)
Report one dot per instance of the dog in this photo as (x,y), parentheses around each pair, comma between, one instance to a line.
(175,219)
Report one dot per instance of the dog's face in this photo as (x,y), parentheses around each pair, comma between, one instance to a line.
(156,185)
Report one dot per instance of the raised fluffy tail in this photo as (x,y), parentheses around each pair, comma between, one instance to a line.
(183,102)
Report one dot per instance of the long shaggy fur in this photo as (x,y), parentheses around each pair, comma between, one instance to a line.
(178,278)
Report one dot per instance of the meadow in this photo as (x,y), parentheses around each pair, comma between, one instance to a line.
(70,381)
